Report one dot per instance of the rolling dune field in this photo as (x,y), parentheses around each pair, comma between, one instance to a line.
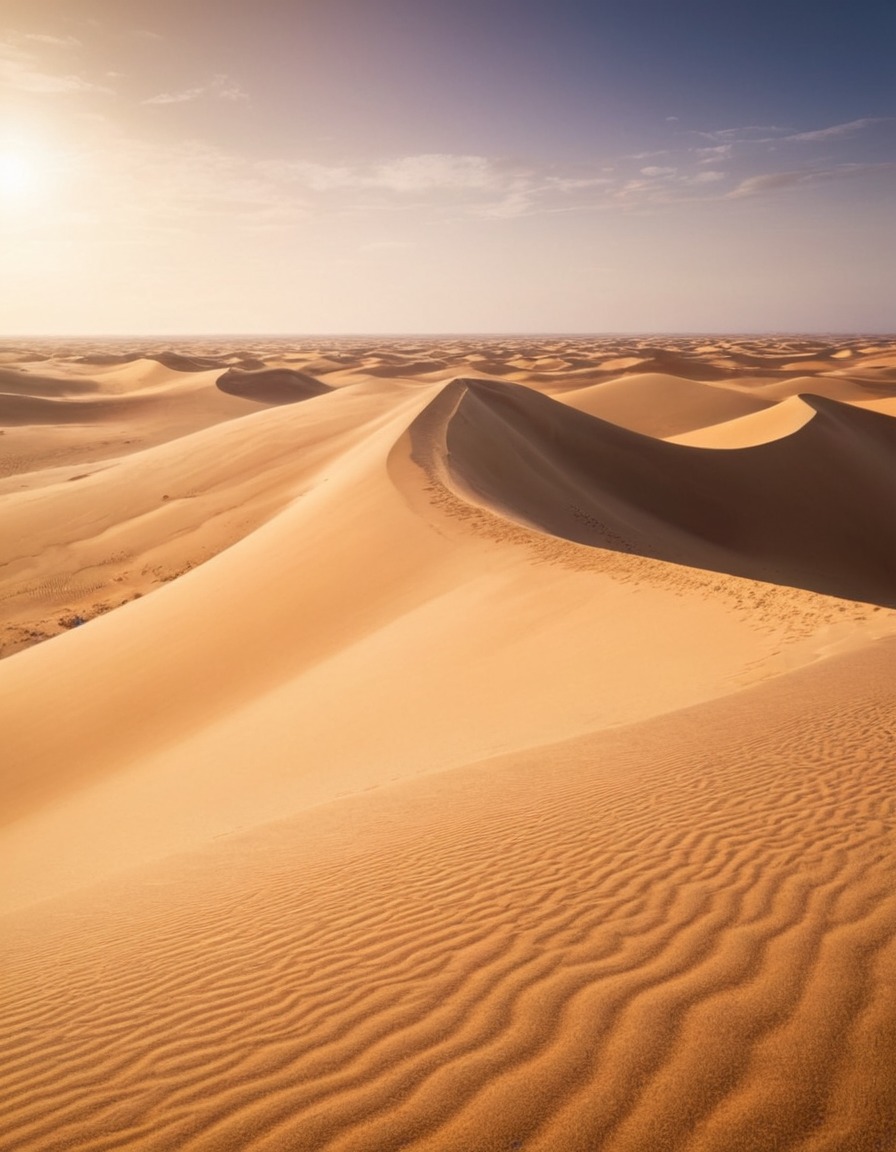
(448,744)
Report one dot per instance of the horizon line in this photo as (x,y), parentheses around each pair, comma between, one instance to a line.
(448,333)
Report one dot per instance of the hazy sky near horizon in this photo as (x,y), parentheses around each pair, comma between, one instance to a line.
(191,166)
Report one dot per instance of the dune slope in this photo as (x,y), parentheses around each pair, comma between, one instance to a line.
(270,385)
(681,935)
(813,509)
(662,405)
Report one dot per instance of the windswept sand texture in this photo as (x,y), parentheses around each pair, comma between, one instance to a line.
(448,744)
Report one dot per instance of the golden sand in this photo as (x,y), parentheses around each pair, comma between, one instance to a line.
(448,744)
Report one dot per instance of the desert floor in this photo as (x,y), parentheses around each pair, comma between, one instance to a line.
(459,744)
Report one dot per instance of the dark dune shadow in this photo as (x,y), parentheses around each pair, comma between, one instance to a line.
(814,510)
(271,385)
(179,363)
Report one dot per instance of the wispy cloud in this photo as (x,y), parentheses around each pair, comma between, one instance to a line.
(779,181)
(835,131)
(220,87)
(576,183)
(519,198)
(56,41)
(714,154)
(749,134)
(490,188)
(774,134)
(770,182)
(21,70)
(431,171)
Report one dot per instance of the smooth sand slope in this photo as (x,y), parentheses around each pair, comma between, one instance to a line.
(419,762)
(663,405)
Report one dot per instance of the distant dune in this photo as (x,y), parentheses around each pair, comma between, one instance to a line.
(662,405)
(270,385)
(495,753)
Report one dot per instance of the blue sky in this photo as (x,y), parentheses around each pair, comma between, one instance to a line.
(413,166)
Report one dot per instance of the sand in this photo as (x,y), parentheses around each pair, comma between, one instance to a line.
(448,744)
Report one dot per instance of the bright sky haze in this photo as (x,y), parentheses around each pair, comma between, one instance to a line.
(385,166)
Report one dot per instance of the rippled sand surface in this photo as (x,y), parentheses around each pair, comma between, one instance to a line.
(448,744)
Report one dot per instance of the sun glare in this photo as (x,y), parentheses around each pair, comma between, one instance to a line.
(16,176)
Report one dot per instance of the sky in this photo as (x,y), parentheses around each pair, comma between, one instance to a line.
(413,166)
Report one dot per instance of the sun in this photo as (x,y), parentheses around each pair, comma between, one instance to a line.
(16,176)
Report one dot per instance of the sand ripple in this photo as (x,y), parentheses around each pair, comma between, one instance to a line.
(681,935)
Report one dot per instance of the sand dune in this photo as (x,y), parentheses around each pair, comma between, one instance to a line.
(114,411)
(438,762)
(845,389)
(270,385)
(662,405)
(760,427)
(15,382)
(813,509)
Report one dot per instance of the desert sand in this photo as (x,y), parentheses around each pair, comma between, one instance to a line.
(455,743)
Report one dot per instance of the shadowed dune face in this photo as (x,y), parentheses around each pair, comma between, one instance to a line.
(14,382)
(177,362)
(814,509)
(271,385)
(36,410)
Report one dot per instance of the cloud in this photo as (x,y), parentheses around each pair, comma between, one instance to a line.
(773,134)
(769,182)
(776,181)
(708,177)
(519,199)
(714,154)
(220,87)
(749,134)
(476,185)
(835,131)
(431,171)
(654,172)
(22,71)
(314,177)
(57,41)
(576,183)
